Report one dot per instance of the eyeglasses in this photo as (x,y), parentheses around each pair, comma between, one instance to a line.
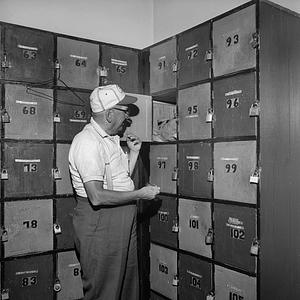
(125,111)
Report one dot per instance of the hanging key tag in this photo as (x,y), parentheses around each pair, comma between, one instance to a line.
(4,174)
(175,280)
(210,175)
(210,296)
(4,235)
(5,118)
(209,115)
(57,285)
(254,247)
(208,55)
(56,228)
(5,294)
(175,174)
(254,178)
(56,174)
(209,237)
(254,109)
(56,118)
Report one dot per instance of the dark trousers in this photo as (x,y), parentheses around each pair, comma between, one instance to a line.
(105,241)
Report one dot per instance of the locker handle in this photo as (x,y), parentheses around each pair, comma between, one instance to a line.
(4,174)
(175,174)
(5,117)
(210,175)
(4,294)
(5,64)
(4,235)
(255,177)
(209,238)
(210,296)
(102,71)
(56,118)
(175,280)
(56,174)
(208,55)
(175,66)
(57,285)
(209,115)
(57,228)
(254,247)
(254,110)
(57,65)
(254,42)
(175,227)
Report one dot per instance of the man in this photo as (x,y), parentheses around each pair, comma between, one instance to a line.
(104,219)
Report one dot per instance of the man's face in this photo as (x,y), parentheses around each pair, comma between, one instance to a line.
(121,120)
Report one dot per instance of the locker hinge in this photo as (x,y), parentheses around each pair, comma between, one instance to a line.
(254,42)
(209,238)
(4,234)
(56,228)
(5,64)
(255,176)
(56,118)
(56,174)
(175,280)
(209,55)
(102,71)
(175,174)
(4,294)
(210,296)
(254,247)
(5,117)
(209,115)
(254,110)
(4,174)
(57,285)
(175,66)
(210,175)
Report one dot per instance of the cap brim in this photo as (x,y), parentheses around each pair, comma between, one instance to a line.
(128,100)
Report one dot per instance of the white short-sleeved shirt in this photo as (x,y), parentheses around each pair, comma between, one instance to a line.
(87,159)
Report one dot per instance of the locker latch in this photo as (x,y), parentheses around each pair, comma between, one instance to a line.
(209,115)
(175,280)
(210,175)
(254,42)
(208,55)
(56,174)
(209,237)
(57,285)
(5,63)
(4,174)
(254,109)
(56,228)
(175,174)
(4,235)
(56,118)
(254,247)
(5,118)
(4,294)
(210,296)
(175,66)
(175,227)
(102,71)
(254,178)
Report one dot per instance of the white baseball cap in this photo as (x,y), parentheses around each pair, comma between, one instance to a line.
(106,97)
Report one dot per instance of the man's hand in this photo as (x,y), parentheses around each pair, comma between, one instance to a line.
(133,142)
(149,192)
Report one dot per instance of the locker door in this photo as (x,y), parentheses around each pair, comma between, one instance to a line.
(163,166)
(29,54)
(233,285)
(164,127)
(234,164)
(192,48)
(164,224)
(123,67)
(142,123)
(233,98)
(30,111)
(29,226)
(64,211)
(162,59)
(63,185)
(1,52)
(29,168)
(232,36)
(68,274)
(194,225)
(163,271)
(195,278)
(154,296)
(235,230)
(29,278)
(78,63)
(74,113)
(193,104)
(194,166)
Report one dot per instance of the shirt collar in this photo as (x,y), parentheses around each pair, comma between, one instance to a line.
(101,132)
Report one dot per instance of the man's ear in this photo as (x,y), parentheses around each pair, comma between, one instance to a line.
(108,115)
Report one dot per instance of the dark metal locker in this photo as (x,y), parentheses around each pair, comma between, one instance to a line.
(122,66)
(233,49)
(195,163)
(28,278)
(63,223)
(233,285)
(164,224)
(69,276)
(192,53)
(233,98)
(78,63)
(195,278)
(29,226)
(29,54)
(193,105)
(163,66)
(29,169)
(72,113)
(30,112)
(235,232)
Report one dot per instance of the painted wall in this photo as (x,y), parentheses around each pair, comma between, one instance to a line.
(121,22)
(173,16)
